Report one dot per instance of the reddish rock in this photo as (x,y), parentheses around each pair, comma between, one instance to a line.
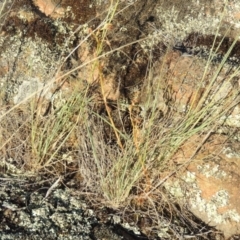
(194,84)
(50,7)
(210,184)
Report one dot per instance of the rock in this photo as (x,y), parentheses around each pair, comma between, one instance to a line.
(50,8)
(191,82)
(209,186)
(157,48)
(30,215)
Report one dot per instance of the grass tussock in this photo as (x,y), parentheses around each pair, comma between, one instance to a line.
(124,169)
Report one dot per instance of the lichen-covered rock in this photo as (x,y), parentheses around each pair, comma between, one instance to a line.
(209,186)
(146,43)
(30,215)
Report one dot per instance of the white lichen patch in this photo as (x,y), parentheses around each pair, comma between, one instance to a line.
(221,198)
(190,177)
(233,215)
(231,120)
(188,192)
(28,60)
(198,18)
(25,15)
(9,167)
(30,88)
(176,188)
(211,171)
(175,29)
(218,200)
(41,212)
(230,153)
(131,228)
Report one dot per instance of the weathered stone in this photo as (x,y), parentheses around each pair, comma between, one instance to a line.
(37,36)
(195,84)
(209,186)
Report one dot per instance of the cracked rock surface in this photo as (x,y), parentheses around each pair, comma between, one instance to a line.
(29,214)
(36,37)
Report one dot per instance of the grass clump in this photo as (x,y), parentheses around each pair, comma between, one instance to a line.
(123,168)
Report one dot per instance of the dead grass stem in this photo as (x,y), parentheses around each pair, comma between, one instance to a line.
(120,172)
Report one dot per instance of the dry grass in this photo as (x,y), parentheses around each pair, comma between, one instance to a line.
(125,172)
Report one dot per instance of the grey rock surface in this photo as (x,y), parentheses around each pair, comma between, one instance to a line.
(28,214)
